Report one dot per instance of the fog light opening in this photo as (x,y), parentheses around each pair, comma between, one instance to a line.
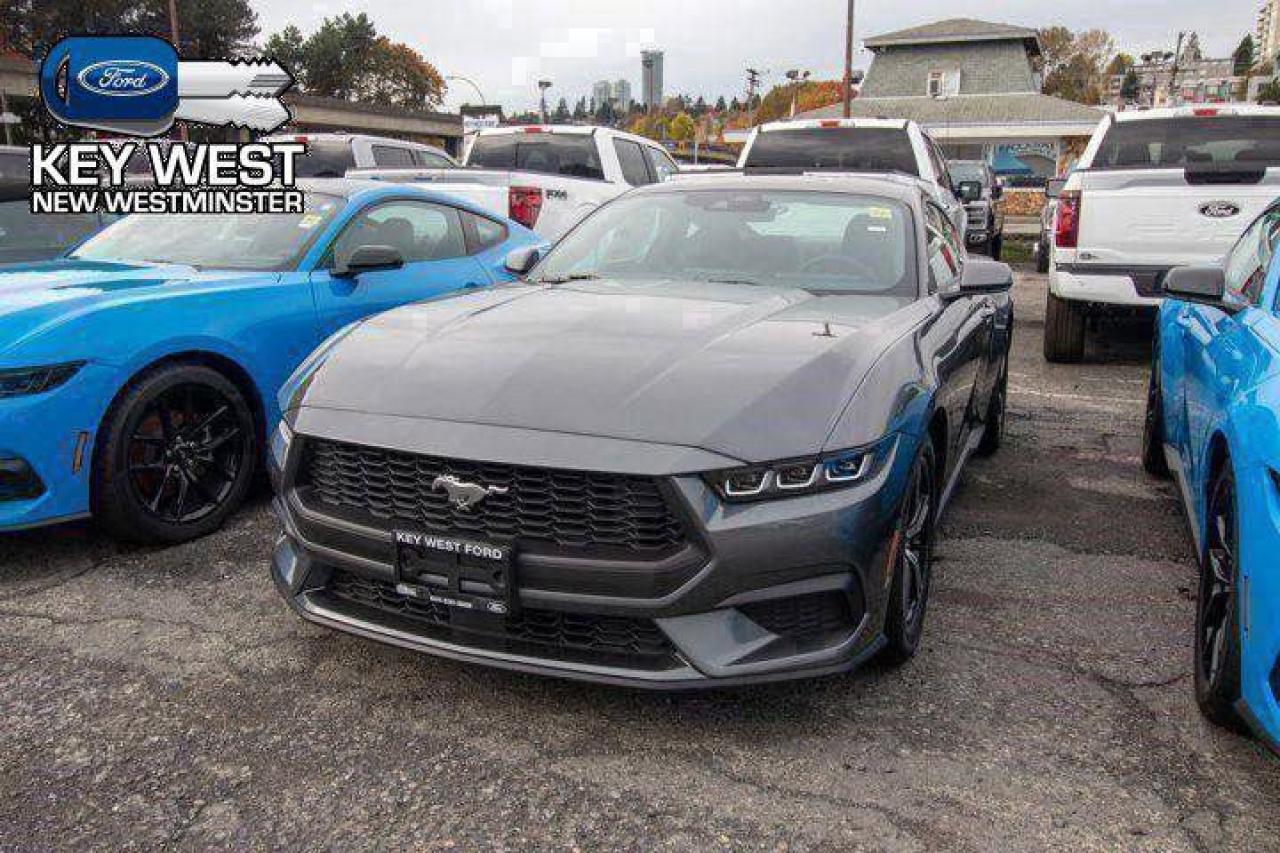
(18,481)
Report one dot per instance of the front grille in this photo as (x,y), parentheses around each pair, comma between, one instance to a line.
(619,640)
(583,513)
(803,617)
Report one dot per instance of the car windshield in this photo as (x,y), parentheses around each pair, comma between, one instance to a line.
(26,236)
(224,241)
(857,149)
(1189,142)
(821,241)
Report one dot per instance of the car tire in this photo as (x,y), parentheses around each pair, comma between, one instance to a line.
(1042,257)
(176,456)
(996,247)
(913,559)
(1153,458)
(1217,640)
(1064,330)
(993,426)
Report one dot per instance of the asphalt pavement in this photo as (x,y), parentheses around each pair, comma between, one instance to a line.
(168,698)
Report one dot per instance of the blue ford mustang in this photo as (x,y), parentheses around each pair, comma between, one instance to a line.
(1213,420)
(138,374)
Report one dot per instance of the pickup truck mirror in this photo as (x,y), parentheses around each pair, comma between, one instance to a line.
(982,276)
(520,261)
(368,258)
(1053,188)
(969,191)
(1202,285)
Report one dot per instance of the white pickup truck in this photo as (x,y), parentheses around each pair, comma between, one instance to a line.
(553,176)
(858,145)
(1153,190)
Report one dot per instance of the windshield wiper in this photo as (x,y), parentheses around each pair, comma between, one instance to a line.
(564,279)
(732,281)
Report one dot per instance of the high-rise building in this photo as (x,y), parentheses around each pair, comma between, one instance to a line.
(651,78)
(1267,38)
(601,93)
(622,96)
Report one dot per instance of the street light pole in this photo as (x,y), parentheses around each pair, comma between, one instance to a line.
(543,86)
(848,63)
(470,83)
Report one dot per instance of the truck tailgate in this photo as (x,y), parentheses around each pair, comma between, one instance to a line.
(1159,217)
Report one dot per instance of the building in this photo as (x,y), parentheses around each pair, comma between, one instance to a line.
(975,86)
(622,100)
(651,78)
(601,93)
(617,94)
(1199,80)
(1266,40)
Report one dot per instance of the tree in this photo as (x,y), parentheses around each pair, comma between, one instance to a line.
(1244,57)
(1120,64)
(683,128)
(1130,88)
(721,106)
(1075,65)
(1270,93)
(398,76)
(209,29)
(561,114)
(700,107)
(736,106)
(580,110)
(605,114)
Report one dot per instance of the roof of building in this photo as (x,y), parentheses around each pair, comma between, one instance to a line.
(955,30)
(1013,108)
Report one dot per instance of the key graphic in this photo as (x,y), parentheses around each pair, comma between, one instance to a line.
(136,85)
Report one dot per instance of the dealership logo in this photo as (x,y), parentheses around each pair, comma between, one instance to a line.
(1219,210)
(123,78)
(465,495)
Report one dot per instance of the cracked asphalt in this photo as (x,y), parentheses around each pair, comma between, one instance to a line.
(168,698)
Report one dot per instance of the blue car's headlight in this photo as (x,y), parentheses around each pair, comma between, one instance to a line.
(795,477)
(25,381)
(295,386)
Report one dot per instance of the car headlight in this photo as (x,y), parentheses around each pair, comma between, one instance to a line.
(794,477)
(295,386)
(25,381)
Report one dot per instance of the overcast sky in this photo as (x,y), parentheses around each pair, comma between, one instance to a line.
(505,46)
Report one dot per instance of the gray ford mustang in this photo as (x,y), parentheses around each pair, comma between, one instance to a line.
(705,441)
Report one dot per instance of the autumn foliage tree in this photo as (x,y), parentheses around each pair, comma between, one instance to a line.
(1076,64)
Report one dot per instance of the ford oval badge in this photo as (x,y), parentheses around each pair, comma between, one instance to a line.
(123,78)
(1219,210)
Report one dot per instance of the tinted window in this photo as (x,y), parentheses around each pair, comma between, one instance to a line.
(27,237)
(1250,259)
(488,232)
(631,158)
(1175,143)
(663,166)
(822,242)
(392,157)
(431,160)
(861,149)
(15,166)
(571,155)
(327,158)
(421,232)
(945,252)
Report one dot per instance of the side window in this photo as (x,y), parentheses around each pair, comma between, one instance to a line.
(663,166)
(421,231)
(945,255)
(940,166)
(631,158)
(392,157)
(431,160)
(488,232)
(1250,259)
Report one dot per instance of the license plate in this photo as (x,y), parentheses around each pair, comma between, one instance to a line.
(471,576)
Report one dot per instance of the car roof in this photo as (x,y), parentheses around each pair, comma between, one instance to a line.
(1198,111)
(897,187)
(357,188)
(831,123)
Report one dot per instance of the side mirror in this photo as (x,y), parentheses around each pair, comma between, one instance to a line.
(1053,188)
(968,191)
(520,261)
(1202,285)
(368,259)
(985,277)
(997,192)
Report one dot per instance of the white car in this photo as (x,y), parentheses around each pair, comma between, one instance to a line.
(332,155)
(552,175)
(856,145)
(1153,190)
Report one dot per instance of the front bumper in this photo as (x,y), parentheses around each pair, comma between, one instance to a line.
(777,590)
(51,436)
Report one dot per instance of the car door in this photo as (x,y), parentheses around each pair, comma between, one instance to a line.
(961,339)
(430,238)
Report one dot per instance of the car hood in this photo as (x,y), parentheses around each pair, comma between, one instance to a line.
(751,372)
(38,297)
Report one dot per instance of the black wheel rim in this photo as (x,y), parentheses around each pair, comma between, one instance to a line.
(1217,596)
(917,544)
(185,453)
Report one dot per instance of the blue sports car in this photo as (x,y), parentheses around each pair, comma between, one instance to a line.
(138,374)
(1213,421)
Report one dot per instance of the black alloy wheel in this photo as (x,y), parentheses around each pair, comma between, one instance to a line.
(1153,458)
(913,574)
(178,456)
(1217,642)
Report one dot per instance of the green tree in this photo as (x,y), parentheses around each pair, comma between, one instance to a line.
(721,106)
(580,110)
(682,128)
(1270,93)
(1131,86)
(1243,58)
(1075,65)
(1120,64)
(561,114)
(209,29)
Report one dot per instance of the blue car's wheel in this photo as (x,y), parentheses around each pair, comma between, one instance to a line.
(1217,646)
(913,572)
(176,457)
(1153,459)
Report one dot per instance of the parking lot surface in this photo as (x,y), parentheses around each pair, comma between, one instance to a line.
(169,698)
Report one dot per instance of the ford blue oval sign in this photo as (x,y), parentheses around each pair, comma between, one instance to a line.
(123,78)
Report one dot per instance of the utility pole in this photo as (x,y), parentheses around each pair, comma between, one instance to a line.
(543,86)
(1173,78)
(848,63)
(753,82)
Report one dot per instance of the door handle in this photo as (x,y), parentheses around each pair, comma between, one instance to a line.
(471,285)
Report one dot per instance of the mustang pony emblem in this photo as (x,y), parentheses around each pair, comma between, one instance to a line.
(465,495)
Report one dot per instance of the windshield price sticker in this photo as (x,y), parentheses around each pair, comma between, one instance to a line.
(218,178)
